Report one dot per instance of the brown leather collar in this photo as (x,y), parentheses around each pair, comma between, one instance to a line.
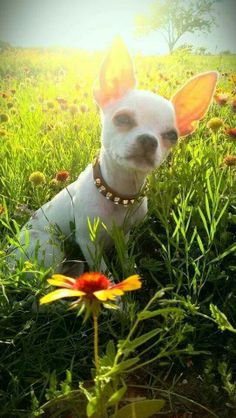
(109,193)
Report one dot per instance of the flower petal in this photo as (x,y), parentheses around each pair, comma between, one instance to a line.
(60,283)
(131,283)
(65,280)
(107,294)
(60,294)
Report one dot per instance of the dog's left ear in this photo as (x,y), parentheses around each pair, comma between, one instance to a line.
(116,76)
(191,102)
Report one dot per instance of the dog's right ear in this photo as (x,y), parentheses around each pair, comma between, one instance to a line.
(116,76)
(192,101)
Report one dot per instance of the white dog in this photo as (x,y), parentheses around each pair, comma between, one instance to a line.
(139,128)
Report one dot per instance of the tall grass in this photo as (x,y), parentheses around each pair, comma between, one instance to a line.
(186,242)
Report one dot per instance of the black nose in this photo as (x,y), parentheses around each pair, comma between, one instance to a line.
(147,142)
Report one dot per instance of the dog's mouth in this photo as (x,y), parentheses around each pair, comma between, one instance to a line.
(146,160)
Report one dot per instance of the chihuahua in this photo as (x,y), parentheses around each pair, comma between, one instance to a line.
(139,128)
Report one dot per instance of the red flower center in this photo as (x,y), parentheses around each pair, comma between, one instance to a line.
(62,175)
(91,282)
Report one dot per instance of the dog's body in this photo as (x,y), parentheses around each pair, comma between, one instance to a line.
(69,210)
(139,129)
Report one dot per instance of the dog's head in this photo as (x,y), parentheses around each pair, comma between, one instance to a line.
(139,128)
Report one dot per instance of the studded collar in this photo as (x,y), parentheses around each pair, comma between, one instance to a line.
(109,193)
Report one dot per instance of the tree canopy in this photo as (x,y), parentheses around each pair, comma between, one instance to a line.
(176,18)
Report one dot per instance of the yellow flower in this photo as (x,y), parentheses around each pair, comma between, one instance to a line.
(215,124)
(28,265)
(37,178)
(89,287)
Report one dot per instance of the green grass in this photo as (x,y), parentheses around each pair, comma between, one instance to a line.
(187,240)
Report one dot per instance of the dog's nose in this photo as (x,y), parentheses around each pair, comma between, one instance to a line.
(148,142)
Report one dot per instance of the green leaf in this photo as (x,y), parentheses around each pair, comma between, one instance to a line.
(229,250)
(200,244)
(116,397)
(209,188)
(66,385)
(91,407)
(222,212)
(124,365)
(221,319)
(111,349)
(163,312)
(131,345)
(204,221)
(160,293)
(208,212)
(140,409)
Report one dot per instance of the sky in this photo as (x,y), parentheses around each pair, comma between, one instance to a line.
(92,24)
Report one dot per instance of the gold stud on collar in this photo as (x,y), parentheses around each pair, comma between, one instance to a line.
(111,194)
(98,182)
(116,200)
(102,188)
(108,195)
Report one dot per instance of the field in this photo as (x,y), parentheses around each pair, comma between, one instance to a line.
(186,246)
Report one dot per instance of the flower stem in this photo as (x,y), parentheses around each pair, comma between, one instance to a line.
(95,340)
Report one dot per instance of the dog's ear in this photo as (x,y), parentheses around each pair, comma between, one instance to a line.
(191,102)
(116,75)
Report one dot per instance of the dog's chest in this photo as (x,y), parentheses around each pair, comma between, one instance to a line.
(89,203)
(124,217)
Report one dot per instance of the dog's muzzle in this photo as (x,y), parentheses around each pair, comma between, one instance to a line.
(144,151)
(147,143)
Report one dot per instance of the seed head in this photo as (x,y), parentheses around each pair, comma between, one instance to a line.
(221,99)
(4,118)
(84,108)
(3,132)
(50,104)
(215,124)
(53,183)
(231,132)
(73,109)
(230,160)
(2,209)
(37,178)
(234,105)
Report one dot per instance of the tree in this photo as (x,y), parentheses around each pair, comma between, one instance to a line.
(176,18)
(201,51)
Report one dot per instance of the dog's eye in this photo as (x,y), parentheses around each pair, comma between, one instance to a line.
(171,136)
(124,120)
